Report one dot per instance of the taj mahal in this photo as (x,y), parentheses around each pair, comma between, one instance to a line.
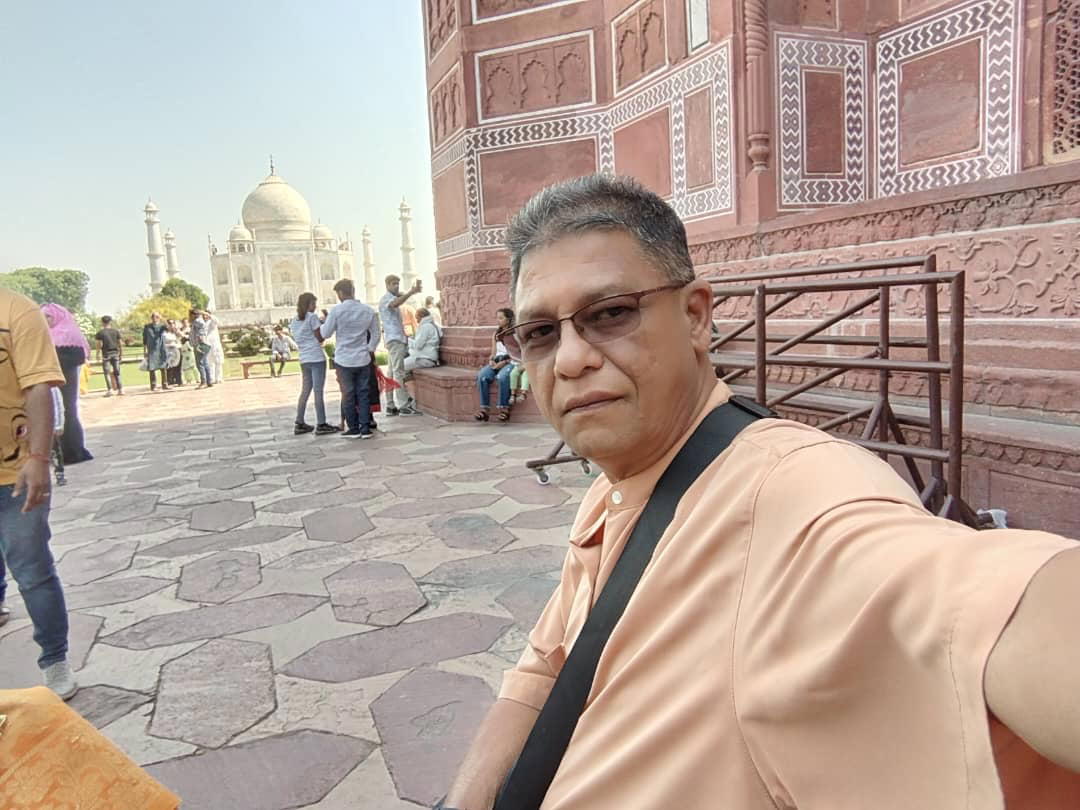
(275,253)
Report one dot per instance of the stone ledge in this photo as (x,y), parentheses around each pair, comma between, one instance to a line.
(449,392)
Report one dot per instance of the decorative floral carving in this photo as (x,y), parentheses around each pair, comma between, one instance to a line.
(535,78)
(495,8)
(441,23)
(447,107)
(639,43)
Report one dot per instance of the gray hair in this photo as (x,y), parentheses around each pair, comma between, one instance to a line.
(600,202)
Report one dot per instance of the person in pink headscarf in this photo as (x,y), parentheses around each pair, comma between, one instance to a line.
(72,349)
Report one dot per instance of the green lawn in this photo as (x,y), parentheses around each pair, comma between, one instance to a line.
(130,374)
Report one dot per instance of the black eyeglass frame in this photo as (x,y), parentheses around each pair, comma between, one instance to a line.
(558,322)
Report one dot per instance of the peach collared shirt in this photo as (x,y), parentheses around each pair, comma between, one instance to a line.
(806,636)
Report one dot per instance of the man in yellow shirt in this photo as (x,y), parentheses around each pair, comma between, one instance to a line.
(803,634)
(28,370)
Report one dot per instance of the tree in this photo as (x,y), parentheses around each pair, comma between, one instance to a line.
(65,287)
(185,290)
(141,309)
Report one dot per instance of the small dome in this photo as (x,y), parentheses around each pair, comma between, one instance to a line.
(275,211)
(169,234)
(239,234)
(150,207)
(321,231)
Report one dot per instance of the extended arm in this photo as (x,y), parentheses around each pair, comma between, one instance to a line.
(498,742)
(1034,670)
(374,335)
(34,474)
(405,296)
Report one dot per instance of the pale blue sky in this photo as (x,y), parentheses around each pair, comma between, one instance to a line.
(105,103)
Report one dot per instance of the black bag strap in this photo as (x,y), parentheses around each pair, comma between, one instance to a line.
(529,779)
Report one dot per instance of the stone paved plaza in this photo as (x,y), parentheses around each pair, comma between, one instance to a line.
(268,621)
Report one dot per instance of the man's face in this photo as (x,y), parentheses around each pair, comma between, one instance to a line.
(621,400)
(394,286)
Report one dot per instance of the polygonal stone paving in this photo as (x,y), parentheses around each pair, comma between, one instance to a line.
(426,722)
(337,497)
(213,621)
(378,593)
(408,645)
(526,598)
(219,577)
(315,481)
(338,524)
(470,531)
(503,568)
(200,543)
(286,771)
(112,591)
(530,491)
(227,479)
(244,662)
(221,516)
(423,485)
(100,705)
(438,506)
(96,560)
(214,692)
(126,507)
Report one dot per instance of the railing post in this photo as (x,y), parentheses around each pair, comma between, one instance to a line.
(956,383)
(760,333)
(883,375)
(933,354)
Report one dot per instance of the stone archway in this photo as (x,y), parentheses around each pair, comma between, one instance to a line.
(286,282)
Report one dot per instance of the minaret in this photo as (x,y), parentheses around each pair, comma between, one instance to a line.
(370,291)
(172,265)
(408,272)
(153,248)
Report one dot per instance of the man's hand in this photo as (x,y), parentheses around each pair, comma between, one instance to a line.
(417,286)
(33,477)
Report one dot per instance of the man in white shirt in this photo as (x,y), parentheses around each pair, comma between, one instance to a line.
(396,343)
(357,328)
(281,348)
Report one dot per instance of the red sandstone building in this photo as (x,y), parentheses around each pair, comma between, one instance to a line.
(791,133)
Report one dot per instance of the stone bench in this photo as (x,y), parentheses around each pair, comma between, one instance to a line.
(449,392)
(247,365)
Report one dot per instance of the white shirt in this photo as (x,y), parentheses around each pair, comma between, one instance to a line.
(391,318)
(426,343)
(303,332)
(357,329)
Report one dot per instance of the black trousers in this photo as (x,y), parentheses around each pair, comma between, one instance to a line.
(355,382)
(73,442)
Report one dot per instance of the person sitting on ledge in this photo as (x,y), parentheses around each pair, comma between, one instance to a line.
(498,369)
(791,628)
(424,346)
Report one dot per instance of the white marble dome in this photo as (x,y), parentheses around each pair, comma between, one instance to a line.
(239,234)
(275,211)
(321,231)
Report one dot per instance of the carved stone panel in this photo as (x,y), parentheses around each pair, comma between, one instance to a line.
(535,77)
(451,205)
(639,42)
(699,139)
(447,107)
(441,19)
(484,10)
(823,91)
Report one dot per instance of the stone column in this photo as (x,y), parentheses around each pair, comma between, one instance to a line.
(154,251)
(172,264)
(408,272)
(370,290)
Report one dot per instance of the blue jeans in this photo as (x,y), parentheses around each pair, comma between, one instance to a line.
(355,382)
(314,379)
(202,362)
(484,379)
(24,545)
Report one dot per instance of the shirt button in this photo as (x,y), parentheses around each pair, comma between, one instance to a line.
(616,497)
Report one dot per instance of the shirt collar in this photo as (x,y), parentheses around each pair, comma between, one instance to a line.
(605,498)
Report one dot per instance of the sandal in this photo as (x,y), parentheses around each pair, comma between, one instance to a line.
(481,416)
(503,415)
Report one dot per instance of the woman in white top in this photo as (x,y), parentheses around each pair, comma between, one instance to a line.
(312,365)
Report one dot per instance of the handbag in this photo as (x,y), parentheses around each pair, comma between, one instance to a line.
(531,776)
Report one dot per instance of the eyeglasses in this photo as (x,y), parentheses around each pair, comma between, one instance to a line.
(609,318)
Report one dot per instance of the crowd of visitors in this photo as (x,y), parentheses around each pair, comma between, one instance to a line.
(179,352)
